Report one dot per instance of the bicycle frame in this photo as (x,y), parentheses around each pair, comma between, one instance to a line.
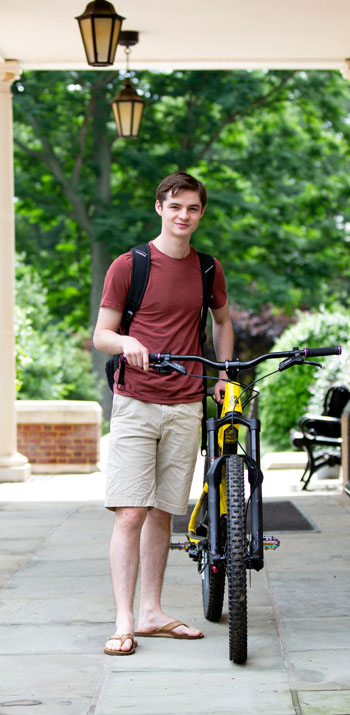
(232,417)
(222,441)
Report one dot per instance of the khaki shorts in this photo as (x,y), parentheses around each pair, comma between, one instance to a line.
(152,454)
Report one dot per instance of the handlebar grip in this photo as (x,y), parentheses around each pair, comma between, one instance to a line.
(154,357)
(319,352)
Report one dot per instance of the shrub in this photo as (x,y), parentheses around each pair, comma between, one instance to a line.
(286,396)
(51,363)
(336,371)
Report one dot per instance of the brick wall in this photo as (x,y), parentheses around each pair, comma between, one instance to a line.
(59,436)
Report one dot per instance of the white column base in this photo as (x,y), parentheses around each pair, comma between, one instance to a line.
(14,468)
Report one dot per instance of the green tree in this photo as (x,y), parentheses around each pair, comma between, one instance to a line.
(272,148)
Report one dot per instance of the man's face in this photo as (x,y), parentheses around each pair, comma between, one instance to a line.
(181,213)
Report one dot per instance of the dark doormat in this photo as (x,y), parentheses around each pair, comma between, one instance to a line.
(279,515)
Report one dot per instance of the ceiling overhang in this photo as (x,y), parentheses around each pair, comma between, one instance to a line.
(187,34)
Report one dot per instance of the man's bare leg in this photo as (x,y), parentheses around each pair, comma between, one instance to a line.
(124,562)
(155,539)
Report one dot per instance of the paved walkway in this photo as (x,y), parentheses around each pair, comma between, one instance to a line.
(56,611)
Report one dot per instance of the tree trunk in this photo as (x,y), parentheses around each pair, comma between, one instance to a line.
(100,252)
(100,261)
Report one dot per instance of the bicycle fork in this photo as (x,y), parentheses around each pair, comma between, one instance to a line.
(255,552)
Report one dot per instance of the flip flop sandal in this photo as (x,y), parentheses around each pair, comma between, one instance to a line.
(122,640)
(168,632)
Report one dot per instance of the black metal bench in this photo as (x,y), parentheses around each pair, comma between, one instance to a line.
(318,432)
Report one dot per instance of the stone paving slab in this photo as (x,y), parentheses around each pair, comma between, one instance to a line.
(325,703)
(49,685)
(56,548)
(303,552)
(55,586)
(311,633)
(89,609)
(24,530)
(300,593)
(181,676)
(20,546)
(192,692)
(326,669)
(36,568)
(64,637)
(56,611)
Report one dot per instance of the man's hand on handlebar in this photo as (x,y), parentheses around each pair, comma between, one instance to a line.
(135,353)
(218,389)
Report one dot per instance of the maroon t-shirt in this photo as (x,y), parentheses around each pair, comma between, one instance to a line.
(167,321)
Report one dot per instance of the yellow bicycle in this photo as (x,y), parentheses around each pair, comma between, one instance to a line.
(218,537)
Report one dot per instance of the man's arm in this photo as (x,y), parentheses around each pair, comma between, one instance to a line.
(223,342)
(108,340)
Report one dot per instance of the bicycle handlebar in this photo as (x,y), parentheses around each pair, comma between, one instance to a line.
(297,354)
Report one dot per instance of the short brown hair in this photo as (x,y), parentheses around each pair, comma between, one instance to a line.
(180,182)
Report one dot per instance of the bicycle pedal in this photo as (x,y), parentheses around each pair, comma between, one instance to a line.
(270,542)
(179,546)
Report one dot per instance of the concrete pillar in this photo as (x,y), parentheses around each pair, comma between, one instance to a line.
(13,466)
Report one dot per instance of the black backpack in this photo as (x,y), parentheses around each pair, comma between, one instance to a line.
(141,261)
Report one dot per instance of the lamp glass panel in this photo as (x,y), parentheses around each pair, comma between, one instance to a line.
(138,109)
(125,113)
(116,117)
(103,30)
(115,38)
(86,33)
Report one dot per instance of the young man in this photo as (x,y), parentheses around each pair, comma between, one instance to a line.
(156,418)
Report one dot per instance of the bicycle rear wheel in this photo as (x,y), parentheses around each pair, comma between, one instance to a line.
(235,563)
(213,584)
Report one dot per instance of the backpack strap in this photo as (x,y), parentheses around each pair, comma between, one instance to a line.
(207,263)
(141,261)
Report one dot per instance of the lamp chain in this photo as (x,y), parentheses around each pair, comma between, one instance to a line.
(127,52)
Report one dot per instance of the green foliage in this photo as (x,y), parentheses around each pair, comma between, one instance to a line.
(336,371)
(272,151)
(286,396)
(51,363)
(271,147)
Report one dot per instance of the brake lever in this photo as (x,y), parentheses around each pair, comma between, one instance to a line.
(296,360)
(166,367)
(315,364)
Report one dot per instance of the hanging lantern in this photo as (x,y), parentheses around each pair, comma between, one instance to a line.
(100,27)
(128,109)
(128,106)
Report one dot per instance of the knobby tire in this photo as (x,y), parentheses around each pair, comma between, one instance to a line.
(213,584)
(235,563)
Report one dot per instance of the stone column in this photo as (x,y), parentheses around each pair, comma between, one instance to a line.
(13,466)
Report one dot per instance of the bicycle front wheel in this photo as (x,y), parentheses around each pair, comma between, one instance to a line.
(236,564)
